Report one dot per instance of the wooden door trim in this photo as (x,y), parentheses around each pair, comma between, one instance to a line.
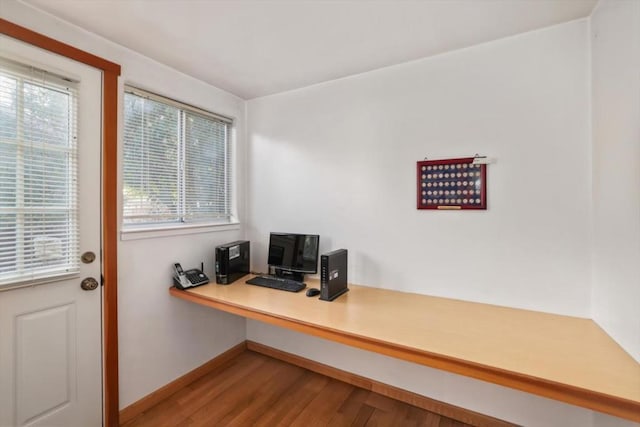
(110,73)
(110,247)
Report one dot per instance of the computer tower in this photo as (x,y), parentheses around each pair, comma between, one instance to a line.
(333,274)
(232,261)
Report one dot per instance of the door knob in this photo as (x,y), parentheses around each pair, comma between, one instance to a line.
(88,257)
(89,284)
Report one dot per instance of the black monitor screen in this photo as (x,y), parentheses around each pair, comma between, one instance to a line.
(294,252)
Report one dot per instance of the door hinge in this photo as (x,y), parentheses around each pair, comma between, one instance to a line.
(101,280)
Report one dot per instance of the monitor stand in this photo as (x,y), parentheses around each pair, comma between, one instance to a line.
(291,275)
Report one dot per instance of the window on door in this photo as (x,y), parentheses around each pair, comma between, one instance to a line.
(38,175)
(176,164)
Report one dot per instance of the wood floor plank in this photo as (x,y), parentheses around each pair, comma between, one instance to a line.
(243,401)
(432,420)
(423,418)
(446,422)
(187,422)
(208,387)
(380,402)
(159,415)
(380,418)
(212,385)
(350,408)
(202,391)
(275,391)
(233,398)
(284,411)
(400,414)
(364,413)
(321,409)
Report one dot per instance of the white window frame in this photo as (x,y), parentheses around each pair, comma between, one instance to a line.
(143,231)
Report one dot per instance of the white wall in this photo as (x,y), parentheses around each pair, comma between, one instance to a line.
(160,338)
(339,158)
(615,41)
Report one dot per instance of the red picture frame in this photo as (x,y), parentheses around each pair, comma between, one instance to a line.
(451,184)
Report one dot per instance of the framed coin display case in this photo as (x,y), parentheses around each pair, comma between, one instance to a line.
(452,184)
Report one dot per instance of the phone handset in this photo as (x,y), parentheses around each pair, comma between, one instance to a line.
(188,279)
(180,276)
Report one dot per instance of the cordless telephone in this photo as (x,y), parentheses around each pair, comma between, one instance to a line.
(188,279)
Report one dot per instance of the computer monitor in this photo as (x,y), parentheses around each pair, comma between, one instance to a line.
(293,255)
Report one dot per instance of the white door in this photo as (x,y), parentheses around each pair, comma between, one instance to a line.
(50,328)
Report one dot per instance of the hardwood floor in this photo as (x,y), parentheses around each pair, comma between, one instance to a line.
(257,390)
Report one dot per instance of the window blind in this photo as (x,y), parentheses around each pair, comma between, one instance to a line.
(176,164)
(150,163)
(39,236)
(207,186)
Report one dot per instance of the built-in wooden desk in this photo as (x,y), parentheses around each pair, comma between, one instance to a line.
(564,358)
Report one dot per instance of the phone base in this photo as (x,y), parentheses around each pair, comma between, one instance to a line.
(179,285)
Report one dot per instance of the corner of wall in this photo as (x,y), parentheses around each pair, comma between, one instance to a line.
(614,43)
(591,237)
(245,161)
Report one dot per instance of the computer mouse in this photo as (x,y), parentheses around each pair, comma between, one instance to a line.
(312,292)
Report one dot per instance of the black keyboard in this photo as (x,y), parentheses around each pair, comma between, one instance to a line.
(277,283)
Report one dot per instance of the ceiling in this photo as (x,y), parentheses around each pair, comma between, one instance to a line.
(257,48)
